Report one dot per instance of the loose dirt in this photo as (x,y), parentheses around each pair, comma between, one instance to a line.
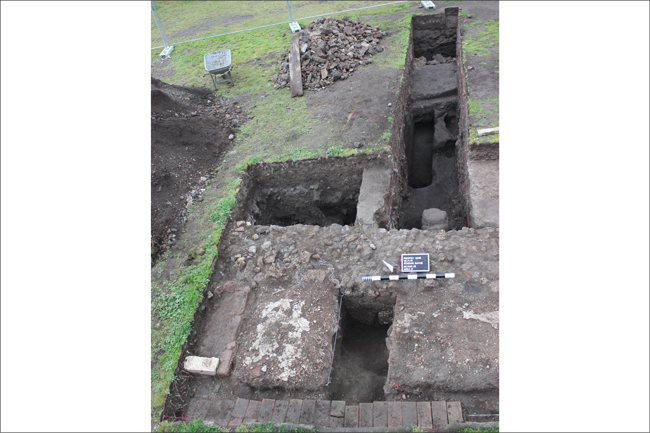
(189,135)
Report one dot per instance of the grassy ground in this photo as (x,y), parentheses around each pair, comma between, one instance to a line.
(481,45)
(176,290)
(197,426)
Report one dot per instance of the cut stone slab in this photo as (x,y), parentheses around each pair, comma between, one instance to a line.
(285,328)
(201,365)
(434,81)
(434,219)
(223,324)
(483,179)
(375,184)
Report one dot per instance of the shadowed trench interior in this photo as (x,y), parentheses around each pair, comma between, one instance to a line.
(361,358)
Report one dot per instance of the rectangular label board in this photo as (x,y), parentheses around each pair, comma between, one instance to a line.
(418,262)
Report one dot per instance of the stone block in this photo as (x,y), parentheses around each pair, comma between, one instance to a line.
(201,365)
(434,219)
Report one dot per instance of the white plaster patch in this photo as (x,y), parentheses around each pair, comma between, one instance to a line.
(492,317)
(280,314)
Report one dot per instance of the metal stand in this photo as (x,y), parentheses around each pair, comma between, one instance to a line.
(213,77)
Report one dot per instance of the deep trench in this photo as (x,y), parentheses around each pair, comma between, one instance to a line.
(361,358)
(431,139)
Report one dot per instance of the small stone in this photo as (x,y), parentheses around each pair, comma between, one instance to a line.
(200,251)
(255,237)
(252,249)
(240,223)
(210,295)
(231,137)
(352,237)
(239,229)
(316,257)
(266,245)
(357,144)
(434,219)
(373,247)
(390,104)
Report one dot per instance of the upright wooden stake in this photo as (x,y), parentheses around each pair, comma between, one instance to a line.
(295,80)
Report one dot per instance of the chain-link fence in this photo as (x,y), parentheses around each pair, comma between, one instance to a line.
(179,22)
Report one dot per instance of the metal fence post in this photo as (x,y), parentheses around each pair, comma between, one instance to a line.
(161,29)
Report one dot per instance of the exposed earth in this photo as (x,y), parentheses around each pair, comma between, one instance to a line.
(285,308)
(189,135)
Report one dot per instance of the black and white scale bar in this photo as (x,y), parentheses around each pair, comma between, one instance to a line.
(407,277)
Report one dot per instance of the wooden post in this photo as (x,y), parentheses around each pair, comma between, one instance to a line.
(295,80)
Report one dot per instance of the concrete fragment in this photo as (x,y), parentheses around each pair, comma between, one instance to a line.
(434,219)
(487,131)
(201,365)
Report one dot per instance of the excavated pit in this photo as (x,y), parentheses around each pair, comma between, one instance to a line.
(323,196)
(360,363)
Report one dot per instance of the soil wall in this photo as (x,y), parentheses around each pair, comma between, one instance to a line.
(401,127)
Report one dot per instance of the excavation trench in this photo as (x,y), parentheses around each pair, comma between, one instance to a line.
(303,233)
(431,134)
(360,363)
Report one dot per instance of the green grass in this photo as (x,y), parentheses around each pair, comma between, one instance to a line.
(203,19)
(483,39)
(471,430)
(173,305)
(198,427)
(480,112)
(334,151)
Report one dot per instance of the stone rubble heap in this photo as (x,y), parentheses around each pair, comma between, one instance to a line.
(331,50)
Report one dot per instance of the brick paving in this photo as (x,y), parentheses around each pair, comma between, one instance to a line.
(328,414)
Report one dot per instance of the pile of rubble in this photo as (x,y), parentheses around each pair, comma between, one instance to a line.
(331,50)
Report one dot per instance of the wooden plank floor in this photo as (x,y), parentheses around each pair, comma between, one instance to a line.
(330,414)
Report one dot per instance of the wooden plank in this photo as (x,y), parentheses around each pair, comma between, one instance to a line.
(307,411)
(219,411)
(266,410)
(409,414)
(197,408)
(379,414)
(365,415)
(252,412)
(394,414)
(423,409)
(454,412)
(322,413)
(241,405)
(295,79)
(336,422)
(279,411)
(338,408)
(351,416)
(439,414)
(293,413)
